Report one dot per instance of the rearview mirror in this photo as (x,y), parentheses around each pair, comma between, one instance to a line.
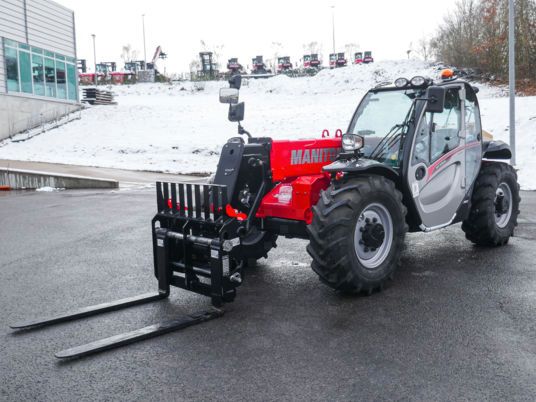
(236,112)
(436,99)
(235,81)
(229,95)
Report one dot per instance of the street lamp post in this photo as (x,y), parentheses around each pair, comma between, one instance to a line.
(512,77)
(144,48)
(94,57)
(333,26)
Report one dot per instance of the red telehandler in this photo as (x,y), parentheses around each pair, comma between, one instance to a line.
(412,159)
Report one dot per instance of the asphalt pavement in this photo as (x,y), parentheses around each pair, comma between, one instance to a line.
(457,323)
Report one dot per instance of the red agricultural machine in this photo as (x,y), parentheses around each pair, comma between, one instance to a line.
(368,58)
(337,60)
(104,73)
(412,159)
(284,65)
(258,67)
(311,61)
(234,67)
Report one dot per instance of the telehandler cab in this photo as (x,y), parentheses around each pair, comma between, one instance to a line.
(412,159)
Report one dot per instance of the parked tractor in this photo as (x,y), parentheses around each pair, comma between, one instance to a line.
(284,66)
(106,67)
(234,67)
(358,58)
(209,69)
(306,61)
(337,60)
(315,61)
(413,159)
(311,64)
(134,66)
(258,66)
(368,58)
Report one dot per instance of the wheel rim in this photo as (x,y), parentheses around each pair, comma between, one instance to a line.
(503,205)
(369,252)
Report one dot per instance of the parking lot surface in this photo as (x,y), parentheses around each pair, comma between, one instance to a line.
(457,323)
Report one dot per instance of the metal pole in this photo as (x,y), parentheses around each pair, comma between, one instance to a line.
(512,77)
(144,48)
(95,58)
(333,25)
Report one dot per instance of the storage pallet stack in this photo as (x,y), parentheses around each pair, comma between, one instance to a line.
(96,96)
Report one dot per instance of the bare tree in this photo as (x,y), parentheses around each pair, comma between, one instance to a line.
(195,65)
(126,53)
(312,48)
(424,48)
(475,34)
(277,48)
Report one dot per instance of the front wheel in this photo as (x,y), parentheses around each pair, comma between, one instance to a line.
(357,233)
(494,205)
(256,245)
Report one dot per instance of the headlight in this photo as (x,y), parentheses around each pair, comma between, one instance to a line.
(401,82)
(352,142)
(418,81)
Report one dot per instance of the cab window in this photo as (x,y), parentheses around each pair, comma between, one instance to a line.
(438,133)
(472,119)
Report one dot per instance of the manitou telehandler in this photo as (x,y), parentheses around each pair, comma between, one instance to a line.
(284,65)
(258,67)
(367,58)
(412,159)
(358,58)
(311,64)
(311,61)
(234,67)
(337,60)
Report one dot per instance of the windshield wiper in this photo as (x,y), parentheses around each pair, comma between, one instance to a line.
(390,135)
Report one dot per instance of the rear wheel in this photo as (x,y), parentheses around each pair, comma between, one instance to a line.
(494,205)
(357,233)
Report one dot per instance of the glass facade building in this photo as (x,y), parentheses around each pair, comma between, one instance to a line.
(36,71)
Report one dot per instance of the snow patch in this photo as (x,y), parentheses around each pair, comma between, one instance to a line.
(47,189)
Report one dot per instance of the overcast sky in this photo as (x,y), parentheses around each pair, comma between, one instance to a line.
(245,29)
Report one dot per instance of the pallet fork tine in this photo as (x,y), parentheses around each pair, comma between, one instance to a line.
(141,334)
(90,311)
(164,277)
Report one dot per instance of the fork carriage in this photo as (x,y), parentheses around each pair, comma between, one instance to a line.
(195,242)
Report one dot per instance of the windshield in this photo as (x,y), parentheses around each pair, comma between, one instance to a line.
(380,119)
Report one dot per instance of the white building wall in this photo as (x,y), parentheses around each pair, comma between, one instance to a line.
(12,21)
(51,27)
(12,26)
(44,24)
(2,71)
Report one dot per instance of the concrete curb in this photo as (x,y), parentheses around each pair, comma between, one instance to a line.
(19,179)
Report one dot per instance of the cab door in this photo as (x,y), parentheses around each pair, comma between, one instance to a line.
(436,173)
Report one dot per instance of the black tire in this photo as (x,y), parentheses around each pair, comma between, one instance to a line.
(332,233)
(482,227)
(257,244)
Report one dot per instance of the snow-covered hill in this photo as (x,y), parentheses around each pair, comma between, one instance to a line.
(178,128)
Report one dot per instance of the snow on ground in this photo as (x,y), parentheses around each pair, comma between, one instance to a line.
(48,189)
(180,129)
